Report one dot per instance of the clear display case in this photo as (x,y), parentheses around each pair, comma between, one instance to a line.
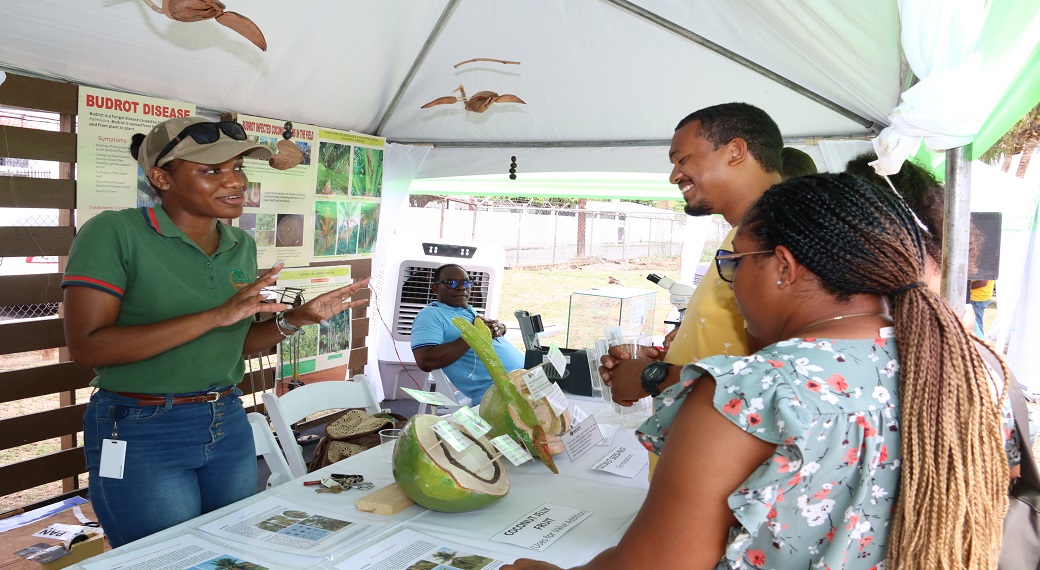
(591,310)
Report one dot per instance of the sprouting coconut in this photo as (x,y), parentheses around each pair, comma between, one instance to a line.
(530,431)
(437,477)
(504,418)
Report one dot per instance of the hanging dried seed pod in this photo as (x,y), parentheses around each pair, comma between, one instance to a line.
(289,155)
(198,10)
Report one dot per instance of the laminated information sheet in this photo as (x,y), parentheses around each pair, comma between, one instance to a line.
(288,528)
(410,549)
(181,553)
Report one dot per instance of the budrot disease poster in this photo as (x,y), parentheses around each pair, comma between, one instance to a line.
(347,194)
(279,202)
(326,208)
(107,177)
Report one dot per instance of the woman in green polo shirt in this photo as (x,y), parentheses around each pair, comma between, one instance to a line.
(155,302)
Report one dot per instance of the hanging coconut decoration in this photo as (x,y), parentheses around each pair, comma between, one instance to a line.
(289,155)
(514,413)
(198,10)
(433,474)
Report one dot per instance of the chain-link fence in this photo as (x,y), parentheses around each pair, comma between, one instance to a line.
(28,217)
(556,235)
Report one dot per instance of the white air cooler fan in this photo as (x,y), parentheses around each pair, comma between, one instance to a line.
(405,290)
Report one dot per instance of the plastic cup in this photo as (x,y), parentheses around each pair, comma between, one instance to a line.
(387,440)
(631,344)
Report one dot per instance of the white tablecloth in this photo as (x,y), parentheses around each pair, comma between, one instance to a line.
(613,499)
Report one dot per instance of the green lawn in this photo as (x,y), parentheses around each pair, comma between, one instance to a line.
(547,292)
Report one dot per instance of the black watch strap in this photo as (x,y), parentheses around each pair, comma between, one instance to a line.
(653,375)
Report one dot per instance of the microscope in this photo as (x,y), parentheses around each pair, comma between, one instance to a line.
(680,294)
(576,378)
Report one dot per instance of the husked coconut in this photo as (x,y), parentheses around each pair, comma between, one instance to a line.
(505,419)
(437,477)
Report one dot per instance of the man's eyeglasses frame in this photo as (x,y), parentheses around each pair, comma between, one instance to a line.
(454,283)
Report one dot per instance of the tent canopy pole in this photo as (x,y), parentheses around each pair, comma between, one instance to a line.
(956,226)
(419,59)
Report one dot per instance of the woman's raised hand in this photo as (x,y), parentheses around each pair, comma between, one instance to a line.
(327,305)
(249,300)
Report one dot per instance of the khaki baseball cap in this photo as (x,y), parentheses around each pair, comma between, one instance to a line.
(225,148)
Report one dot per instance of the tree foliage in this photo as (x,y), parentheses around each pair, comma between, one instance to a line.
(1021,138)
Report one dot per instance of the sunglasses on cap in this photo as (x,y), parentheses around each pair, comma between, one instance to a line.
(453,283)
(204,133)
(726,262)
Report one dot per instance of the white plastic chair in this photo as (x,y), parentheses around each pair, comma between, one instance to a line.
(266,446)
(308,399)
(439,382)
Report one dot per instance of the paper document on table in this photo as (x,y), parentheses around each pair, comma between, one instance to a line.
(581,438)
(270,523)
(409,549)
(623,460)
(540,528)
(181,553)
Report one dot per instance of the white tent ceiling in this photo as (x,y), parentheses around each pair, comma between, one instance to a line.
(594,73)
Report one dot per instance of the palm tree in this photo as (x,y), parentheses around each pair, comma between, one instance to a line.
(445,557)
(1021,138)
(226,564)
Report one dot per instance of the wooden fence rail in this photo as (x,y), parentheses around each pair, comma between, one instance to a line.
(31,382)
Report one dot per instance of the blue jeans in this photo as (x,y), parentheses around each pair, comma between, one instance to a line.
(182,460)
(979,307)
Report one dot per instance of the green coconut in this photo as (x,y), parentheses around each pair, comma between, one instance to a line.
(505,418)
(437,477)
(521,409)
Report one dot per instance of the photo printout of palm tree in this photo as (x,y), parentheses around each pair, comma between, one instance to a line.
(226,562)
(368,172)
(325,228)
(333,169)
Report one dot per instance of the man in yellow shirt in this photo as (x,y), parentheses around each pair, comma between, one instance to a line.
(723,158)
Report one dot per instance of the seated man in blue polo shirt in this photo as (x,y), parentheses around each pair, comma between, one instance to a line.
(437,343)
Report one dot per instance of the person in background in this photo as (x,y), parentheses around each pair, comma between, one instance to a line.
(437,343)
(795,163)
(161,303)
(926,197)
(827,448)
(981,297)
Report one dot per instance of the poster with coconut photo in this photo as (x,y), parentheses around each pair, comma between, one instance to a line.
(320,347)
(347,194)
(278,200)
(108,177)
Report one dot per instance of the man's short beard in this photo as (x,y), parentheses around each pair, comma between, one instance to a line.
(698,209)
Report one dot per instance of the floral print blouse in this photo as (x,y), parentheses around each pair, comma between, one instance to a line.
(824,499)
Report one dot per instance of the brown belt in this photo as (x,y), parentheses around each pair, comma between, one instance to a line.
(160,400)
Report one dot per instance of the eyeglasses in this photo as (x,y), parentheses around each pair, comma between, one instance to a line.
(204,133)
(726,262)
(453,283)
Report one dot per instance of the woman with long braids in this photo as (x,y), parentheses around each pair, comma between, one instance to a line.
(866,435)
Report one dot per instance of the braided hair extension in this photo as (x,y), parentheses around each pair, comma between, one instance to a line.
(859,238)
(924,195)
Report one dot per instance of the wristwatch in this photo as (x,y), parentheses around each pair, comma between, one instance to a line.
(653,375)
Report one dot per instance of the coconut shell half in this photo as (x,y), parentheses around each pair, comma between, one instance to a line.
(437,477)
